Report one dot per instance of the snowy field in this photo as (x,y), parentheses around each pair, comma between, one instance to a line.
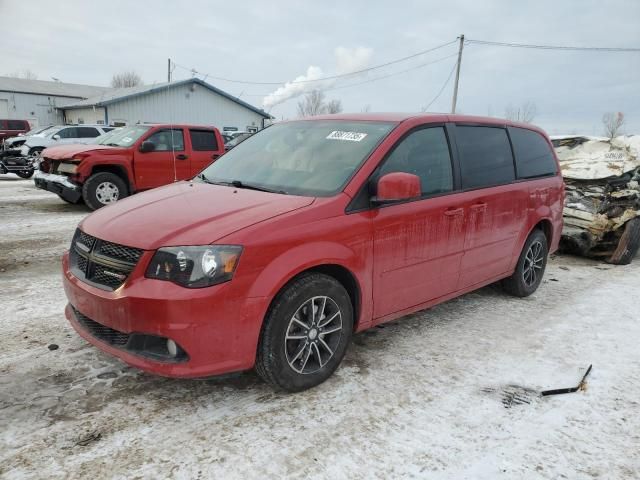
(423,397)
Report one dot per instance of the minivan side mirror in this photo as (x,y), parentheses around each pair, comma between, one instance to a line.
(396,187)
(147,146)
(56,137)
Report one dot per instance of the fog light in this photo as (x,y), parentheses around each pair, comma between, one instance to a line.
(172,348)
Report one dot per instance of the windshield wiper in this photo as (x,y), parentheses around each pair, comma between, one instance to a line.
(252,186)
(203,178)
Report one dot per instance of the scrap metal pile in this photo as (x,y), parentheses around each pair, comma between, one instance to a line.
(602,205)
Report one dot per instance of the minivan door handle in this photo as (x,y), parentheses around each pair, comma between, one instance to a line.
(182,156)
(215,156)
(454,212)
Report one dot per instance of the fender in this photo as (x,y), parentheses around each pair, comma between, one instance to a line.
(93,162)
(279,271)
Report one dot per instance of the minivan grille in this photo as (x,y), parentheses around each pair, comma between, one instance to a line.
(100,263)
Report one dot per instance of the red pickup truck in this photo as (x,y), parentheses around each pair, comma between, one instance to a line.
(126,161)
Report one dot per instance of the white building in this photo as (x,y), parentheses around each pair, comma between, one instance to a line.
(38,101)
(185,101)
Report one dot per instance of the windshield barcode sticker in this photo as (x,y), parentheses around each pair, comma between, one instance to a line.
(348,136)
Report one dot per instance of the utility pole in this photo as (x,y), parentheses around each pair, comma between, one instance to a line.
(169,70)
(455,87)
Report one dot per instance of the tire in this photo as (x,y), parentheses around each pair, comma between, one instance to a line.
(27,174)
(628,244)
(304,360)
(102,189)
(35,151)
(527,277)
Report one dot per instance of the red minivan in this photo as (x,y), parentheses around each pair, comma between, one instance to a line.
(309,231)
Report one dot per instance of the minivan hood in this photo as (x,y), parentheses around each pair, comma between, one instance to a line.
(60,152)
(186,214)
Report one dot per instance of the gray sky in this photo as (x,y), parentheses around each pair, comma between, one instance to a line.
(86,42)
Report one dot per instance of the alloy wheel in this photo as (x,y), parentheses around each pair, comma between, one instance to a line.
(313,334)
(107,192)
(533,264)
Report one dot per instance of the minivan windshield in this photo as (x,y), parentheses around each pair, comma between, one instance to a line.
(306,157)
(124,137)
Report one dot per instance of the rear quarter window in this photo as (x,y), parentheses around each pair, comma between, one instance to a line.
(534,157)
(485,156)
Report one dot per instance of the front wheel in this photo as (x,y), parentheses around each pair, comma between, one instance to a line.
(306,333)
(25,174)
(531,266)
(102,189)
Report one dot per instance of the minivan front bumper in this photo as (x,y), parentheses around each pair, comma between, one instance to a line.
(216,331)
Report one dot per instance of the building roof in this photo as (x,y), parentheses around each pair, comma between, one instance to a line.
(116,95)
(42,87)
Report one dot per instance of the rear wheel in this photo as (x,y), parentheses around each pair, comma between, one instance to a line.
(531,266)
(102,189)
(306,333)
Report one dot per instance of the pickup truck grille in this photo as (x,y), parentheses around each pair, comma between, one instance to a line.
(100,263)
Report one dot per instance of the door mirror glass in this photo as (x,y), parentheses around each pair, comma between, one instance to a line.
(147,146)
(56,137)
(396,187)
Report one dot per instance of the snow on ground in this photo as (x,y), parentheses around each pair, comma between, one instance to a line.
(420,398)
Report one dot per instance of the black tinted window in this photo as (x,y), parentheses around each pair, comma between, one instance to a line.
(87,132)
(16,125)
(167,140)
(203,140)
(70,132)
(424,153)
(533,154)
(485,156)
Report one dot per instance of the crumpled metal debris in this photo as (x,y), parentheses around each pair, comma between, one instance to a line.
(602,179)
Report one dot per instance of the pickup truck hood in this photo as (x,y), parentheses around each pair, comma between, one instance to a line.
(61,152)
(186,214)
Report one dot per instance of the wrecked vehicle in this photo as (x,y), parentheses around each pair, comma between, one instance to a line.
(602,204)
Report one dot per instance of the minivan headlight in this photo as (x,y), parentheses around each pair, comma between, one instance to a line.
(195,267)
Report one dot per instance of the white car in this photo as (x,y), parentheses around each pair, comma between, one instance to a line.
(61,134)
(12,143)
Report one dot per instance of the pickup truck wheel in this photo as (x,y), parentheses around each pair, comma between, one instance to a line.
(531,266)
(305,334)
(102,189)
(628,245)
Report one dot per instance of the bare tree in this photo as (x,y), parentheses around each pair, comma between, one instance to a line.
(612,123)
(126,79)
(314,103)
(334,106)
(366,108)
(524,113)
(25,73)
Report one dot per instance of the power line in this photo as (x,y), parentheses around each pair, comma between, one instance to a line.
(551,47)
(366,81)
(446,82)
(332,77)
